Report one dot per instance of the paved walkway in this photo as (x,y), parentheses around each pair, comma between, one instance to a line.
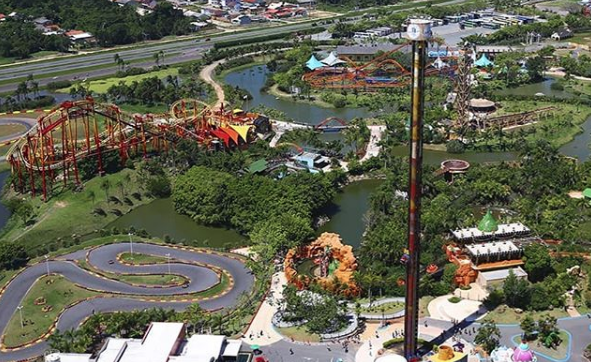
(373,337)
(281,127)
(474,293)
(207,75)
(441,308)
(263,320)
(373,148)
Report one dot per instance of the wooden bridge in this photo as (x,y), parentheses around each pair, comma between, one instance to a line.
(516,119)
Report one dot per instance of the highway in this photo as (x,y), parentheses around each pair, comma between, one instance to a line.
(177,51)
(80,67)
(194,267)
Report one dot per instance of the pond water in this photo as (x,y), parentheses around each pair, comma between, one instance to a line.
(4,213)
(160,219)
(533,88)
(253,79)
(348,210)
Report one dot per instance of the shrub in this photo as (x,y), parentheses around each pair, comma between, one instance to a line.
(557,86)
(455,146)
(454,299)
(392,342)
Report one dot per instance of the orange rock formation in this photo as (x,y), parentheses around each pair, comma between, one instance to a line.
(340,281)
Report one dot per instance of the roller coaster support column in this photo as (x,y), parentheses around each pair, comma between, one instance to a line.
(419,32)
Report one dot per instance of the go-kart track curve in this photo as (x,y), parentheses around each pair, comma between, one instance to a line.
(200,267)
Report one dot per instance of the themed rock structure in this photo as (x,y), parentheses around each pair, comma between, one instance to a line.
(489,251)
(335,262)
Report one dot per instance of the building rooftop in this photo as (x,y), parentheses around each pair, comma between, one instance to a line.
(503,230)
(206,348)
(502,274)
(492,248)
(364,50)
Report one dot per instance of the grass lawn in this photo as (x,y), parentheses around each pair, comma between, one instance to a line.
(299,334)
(5,276)
(581,38)
(71,212)
(102,85)
(150,279)
(58,294)
(558,354)
(141,108)
(388,308)
(163,279)
(11,129)
(423,303)
(508,316)
(554,128)
(139,258)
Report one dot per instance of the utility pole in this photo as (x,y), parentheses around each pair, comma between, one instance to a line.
(130,246)
(419,32)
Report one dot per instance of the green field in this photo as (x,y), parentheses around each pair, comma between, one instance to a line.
(139,258)
(299,334)
(509,316)
(71,212)
(11,129)
(142,108)
(556,128)
(58,294)
(102,85)
(387,308)
(146,279)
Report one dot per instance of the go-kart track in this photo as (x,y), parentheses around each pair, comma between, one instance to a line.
(201,267)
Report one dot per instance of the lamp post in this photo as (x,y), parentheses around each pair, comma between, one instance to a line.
(130,245)
(20,312)
(419,32)
(47,263)
(168,261)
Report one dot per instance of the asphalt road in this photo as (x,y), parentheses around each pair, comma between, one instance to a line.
(200,278)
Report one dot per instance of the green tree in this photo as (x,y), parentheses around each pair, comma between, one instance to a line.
(488,336)
(528,326)
(12,255)
(548,331)
(538,263)
(281,233)
(517,291)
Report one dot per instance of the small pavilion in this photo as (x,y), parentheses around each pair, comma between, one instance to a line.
(332,60)
(314,63)
(483,62)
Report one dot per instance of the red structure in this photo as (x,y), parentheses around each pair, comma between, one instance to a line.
(381,72)
(74,130)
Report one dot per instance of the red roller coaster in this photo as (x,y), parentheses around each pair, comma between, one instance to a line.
(75,130)
(381,72)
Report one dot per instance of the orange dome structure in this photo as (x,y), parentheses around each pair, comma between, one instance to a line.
(335,261)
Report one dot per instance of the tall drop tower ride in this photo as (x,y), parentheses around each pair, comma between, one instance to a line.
(419,33)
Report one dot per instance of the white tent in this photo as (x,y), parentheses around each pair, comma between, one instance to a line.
(439,64)
(332,60)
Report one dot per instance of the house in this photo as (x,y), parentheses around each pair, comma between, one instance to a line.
(307,3)
(359,53)
(42,21)
(242,20)
(80,38)
(134,3)
(2,17)
(562,34)
(162,342)
(380,31)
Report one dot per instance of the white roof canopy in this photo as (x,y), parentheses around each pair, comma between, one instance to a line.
(503,230)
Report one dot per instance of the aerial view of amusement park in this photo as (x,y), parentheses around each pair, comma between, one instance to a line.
(299,180)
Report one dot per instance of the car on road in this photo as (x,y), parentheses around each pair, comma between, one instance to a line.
(207,39)
(111,261)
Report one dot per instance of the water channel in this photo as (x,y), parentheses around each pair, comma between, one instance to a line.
(349,207)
